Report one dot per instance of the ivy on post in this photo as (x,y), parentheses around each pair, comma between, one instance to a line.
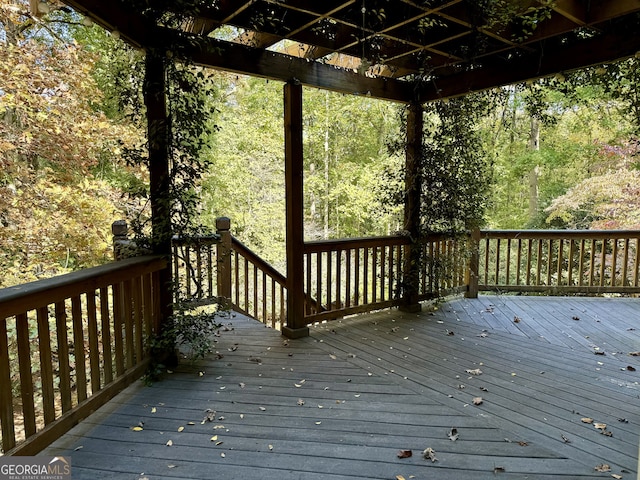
(295,326)
(159,154)
(413,188)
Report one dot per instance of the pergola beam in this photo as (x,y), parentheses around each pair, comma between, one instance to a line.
(597,50)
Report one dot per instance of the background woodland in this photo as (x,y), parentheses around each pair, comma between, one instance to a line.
(559,152)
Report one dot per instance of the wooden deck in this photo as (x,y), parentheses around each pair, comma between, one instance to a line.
(343,402)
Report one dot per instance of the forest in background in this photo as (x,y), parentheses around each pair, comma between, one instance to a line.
(559,152)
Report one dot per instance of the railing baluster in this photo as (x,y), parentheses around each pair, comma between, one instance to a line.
(572,244)
(518,261)
(625,262)
(329,279)
(128,324)
(614,256)
(529,257)
(138,347)
(560,260)
(603,261)
(78,348)
(356,279)
(105,328)
(92,330)
(63,356)
(508,262)
(636,266)
(26,378)
(581,264)
(46,367)
(117,328)
(6,398)
(592,261)
(348,256)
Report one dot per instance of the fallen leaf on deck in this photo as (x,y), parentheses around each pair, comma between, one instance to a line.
(602,468)
(79,447)
(318,423)
(450,333)
(483,335)
(222,455)
(516,319)
(137,429)
(300,402)
(332,356)
(171,466)
(219,427)
(429,454)
(242,384)
(499,470)
(453,434)
(475,371)
(523,444)
(400,477)
(634,354)
(600,426)
(575,317)
(565,439)
(255,360)
(262,409)
(153,410)
(180,429)
(214,438)
(615,475)
(405,453)
(587,420)
(169,443)
(209,417)
(270,447)
(484,389)
(477,400)
(630,368)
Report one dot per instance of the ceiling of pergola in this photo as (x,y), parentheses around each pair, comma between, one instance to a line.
(402,50)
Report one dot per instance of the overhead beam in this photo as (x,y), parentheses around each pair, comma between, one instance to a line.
(604,48)
(233,57)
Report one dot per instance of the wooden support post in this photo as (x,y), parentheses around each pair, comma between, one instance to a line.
(158,139)
(413,190)
(472,273)
(223,258)
(295,326)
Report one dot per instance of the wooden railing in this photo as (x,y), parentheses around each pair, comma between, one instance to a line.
(254,287)
(68,344)
(345,277)
(194,268)
(559,261)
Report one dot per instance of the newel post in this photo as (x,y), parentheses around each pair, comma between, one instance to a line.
(223,257)
(472,271)
(293,171)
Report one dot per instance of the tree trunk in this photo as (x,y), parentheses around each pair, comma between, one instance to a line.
(534,145)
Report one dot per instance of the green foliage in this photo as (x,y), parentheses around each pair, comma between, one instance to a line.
(190,330)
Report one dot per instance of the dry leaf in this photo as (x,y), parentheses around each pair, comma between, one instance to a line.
(318,423)
(477,400)
(79,447)
(565,439)
(262,409)
(153,410)
(429,454)
(499,470)
(523,444)
(222,455)
(615,475)
(270,447)
(405,453)
(453,434)
(300,402)
(516,319)
(475,371)
(587,420)
(209,417)
(180,429)
(630,368)
(634,354)
(214,438)
(602,468)
(400,477)
(171,466)
(169,443)
(137,429)
(332,356)
(600,426)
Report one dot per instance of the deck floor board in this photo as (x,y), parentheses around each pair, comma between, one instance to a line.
(341,403)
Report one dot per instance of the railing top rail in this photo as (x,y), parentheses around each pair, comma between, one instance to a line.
(258,261)
(196,240)
(565,234)
(350,243)
(33,295)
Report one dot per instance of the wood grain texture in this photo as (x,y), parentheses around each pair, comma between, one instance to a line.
(341,403)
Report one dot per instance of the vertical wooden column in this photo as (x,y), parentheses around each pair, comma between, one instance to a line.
(295,326)
(472,273)
(158,138)
(413,188)
(223,258)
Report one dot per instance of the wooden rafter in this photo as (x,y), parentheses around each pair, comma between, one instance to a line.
(401,38)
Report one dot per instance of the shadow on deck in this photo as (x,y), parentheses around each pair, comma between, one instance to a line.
(343,402)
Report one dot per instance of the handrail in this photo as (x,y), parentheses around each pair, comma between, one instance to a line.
(89,327)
